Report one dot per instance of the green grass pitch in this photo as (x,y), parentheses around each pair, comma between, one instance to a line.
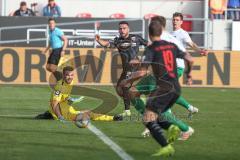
(217,133)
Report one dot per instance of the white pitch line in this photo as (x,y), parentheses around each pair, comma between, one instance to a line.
(116,148)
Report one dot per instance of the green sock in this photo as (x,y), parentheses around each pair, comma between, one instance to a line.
(139,105)
(171,118)
(181,101)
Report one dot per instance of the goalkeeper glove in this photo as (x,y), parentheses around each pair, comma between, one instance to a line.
(61,119)
(75,100)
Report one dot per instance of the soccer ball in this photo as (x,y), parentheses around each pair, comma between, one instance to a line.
(82,120)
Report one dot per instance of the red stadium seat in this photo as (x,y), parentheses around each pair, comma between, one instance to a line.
(117,16)
(187,24)
(150,15)
(84,15)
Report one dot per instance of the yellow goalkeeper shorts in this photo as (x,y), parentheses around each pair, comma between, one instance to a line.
(67,111)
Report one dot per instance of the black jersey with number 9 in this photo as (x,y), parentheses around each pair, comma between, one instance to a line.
(161,55)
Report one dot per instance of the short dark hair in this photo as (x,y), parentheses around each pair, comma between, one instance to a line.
(155,28)
(67,68)
(23,3)
(123,22)
(51,19)
(178,14)
(160,19)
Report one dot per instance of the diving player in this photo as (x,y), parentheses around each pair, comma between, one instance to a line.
(60,102)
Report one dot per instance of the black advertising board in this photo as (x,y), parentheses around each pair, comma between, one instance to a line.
(31,31)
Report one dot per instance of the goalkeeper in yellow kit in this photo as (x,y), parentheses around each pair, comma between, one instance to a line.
(60,102)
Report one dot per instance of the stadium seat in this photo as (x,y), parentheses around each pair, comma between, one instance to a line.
(150,15)
(117,15)
(187,24)
(84,15)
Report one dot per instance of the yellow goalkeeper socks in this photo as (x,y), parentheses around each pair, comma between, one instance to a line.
(100,117)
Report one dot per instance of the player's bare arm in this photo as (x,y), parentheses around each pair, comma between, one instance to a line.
(65,42)
(102,42)
(55,108)
(45,51)
(196,48)
(135,76)
(149,43)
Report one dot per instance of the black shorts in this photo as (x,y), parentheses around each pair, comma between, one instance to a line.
(159,102)
(55,56)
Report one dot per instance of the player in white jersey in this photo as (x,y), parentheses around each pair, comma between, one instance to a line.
(183,37)
(170,38)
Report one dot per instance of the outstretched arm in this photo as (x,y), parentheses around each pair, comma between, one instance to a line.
(65,42)
(102,42)
(196,48)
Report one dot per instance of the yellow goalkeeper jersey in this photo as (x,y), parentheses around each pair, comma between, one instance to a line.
(61,91)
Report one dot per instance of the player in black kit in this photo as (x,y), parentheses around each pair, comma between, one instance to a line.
(161,56)
(128,47)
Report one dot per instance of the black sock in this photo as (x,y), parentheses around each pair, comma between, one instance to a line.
(45,115)
(57,75)
(164,124)
(126,98)
(157,133)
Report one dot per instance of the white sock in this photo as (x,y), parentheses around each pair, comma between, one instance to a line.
(190,107)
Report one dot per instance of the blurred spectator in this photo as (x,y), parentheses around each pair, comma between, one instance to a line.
(233,14)
(217,8)
(233,3)
(34,8)
(23,10)
(52,9)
